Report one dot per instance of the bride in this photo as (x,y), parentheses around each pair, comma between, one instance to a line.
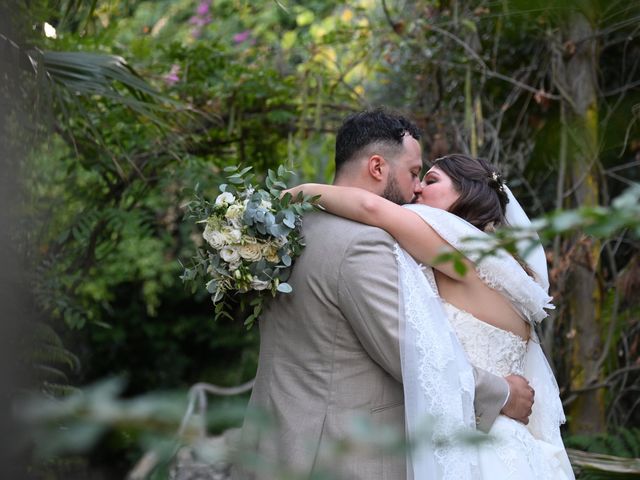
(492,307)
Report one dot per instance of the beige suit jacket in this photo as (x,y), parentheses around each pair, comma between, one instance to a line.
(330,350)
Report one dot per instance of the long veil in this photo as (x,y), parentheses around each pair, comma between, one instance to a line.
(438,380)
(438,383)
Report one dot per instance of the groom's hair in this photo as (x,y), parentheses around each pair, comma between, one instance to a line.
(379,128)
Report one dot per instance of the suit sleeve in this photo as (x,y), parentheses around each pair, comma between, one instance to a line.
(368,296)
(491,394)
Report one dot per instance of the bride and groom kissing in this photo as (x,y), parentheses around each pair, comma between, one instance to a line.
(376,326)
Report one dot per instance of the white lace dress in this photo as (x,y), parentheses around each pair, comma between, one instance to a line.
(513,451)
(438,379)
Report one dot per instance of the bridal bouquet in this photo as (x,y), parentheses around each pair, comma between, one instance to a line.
(251,237)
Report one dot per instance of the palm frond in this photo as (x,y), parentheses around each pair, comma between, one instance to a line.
(90,72)
(109,76)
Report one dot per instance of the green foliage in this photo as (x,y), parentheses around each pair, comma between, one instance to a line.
(50,361)
(606,456)
(598,466)
(621,442)
(107,191)
(89,413)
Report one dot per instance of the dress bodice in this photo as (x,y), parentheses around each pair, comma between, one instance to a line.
(490,348)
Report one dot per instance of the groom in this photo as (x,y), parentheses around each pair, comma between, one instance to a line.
(330,351)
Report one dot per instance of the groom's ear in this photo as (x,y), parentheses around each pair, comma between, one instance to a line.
(377,167)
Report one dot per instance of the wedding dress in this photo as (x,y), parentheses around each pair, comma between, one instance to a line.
(438,345)
(514,451)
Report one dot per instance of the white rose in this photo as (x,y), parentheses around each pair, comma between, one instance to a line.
(214,237)
(230,255)
(257,284)
(232,235)
(234,212)
(251,251)
(225,198)
(270,252)
(236,223)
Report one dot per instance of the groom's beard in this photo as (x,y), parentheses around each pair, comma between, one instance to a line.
(392,191)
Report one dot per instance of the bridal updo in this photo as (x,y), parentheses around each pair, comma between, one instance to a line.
(483,199)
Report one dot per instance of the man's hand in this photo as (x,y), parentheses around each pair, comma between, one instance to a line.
(520,400)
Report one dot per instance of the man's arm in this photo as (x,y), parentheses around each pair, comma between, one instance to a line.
(368,296)
(510,396)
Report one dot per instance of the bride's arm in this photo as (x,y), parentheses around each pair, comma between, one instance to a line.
(407,227)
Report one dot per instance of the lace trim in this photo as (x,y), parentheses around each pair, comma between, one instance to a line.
(547,414)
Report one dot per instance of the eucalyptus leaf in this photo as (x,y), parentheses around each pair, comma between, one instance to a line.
(212,286)
(284,288)
(235,180)
(269,219)
(289,219)
(218,296)
(279,230)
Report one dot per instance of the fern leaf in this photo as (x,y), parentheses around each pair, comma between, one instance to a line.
(45,373)
(48,354)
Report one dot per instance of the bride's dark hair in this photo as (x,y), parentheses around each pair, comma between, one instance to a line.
(483,200)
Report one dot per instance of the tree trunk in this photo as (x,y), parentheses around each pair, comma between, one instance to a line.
(584,295)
